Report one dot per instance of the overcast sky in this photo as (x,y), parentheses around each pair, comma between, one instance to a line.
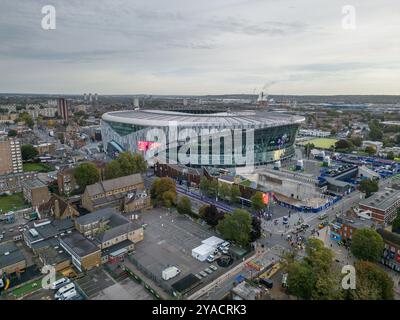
(200,47)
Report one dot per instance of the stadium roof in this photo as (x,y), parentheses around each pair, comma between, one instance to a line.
(161,118)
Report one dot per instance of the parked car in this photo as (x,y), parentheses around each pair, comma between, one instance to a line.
(212,267)
(59,283)
(64,289)
(68,295)
(210,258)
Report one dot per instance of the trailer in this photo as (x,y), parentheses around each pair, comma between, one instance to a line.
(170,272)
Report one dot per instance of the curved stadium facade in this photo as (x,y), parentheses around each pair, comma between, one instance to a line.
(268,136)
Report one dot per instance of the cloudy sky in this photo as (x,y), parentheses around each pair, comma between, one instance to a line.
(200,47)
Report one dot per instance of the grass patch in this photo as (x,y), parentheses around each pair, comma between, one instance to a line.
(321,143)
(38,167)
(29,287)
(12,202)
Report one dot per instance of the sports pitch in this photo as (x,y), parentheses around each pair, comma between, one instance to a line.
(321,143)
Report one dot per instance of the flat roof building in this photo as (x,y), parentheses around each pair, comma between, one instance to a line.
(383,205)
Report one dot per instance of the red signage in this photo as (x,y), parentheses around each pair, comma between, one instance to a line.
(265,198)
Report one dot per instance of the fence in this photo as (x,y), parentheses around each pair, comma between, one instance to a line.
(149,274)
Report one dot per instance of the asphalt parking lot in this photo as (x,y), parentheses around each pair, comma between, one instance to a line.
(127,289)
(168,241)
(94,282)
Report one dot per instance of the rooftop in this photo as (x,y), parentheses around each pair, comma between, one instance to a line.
(382,200)
(112,184)
(392,237)
(81,245)
(10,254)
(256,118)
(34,183)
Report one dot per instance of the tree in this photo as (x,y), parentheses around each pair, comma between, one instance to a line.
(369,186)
(236,227)
(257,202)
(211,215)
(396,222)
(235,193)
(26,117)
(315,277)
(373,283)
(113,170)
(390,155)
(169,198)
(161,186)
(12,133)
(357,141)
(28,152)
(131,163)
(255,229)
(204,185)
(371,150)
(86,174)
(367,244)
(184,206)
(344,144)
(224,191)
(308,147)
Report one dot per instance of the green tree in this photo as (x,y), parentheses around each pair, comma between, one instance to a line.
(169,198)
(390,155)
(86,174)
(26,117)
(28,152)
(373,283)
(12,133)
(235,193)
(343,144)
(369,186)
(308,147)
(257,202)
(357,141)
(131,163)
(367,244)
(236,227)
(224,191)
(315,277)
(184,206)
(113,170)
(161,186)
(396,222)
(204,185)
(371,150)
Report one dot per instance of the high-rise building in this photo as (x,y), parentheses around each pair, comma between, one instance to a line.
(136,102)
(63,108)
(10,156)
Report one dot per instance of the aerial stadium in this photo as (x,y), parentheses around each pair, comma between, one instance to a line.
(266,135)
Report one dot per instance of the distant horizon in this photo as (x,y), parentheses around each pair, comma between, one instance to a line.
(189,48)
(198,95)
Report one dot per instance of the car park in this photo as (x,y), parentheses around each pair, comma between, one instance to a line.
(208,270)
(203,274)
(212,267)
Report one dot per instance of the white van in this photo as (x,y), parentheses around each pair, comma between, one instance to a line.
(59,283)
(68,295)
(62,290)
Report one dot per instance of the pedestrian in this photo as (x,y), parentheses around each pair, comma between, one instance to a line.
(281,235)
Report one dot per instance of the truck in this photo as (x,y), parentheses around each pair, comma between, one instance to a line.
(170,273)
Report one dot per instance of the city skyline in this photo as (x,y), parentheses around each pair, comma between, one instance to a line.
(200,48)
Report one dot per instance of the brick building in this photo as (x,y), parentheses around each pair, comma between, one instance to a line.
(111,193)
(35,192)
(383,205)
